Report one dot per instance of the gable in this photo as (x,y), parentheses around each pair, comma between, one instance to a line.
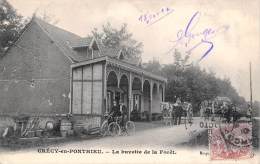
(35,75)
(121,56)
(74,47)
(32,52)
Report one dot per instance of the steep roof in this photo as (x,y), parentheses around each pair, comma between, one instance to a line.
(82,42)
(62,38)
(67,41)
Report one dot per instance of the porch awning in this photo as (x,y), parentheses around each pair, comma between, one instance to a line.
(123,65)
(137,92)
(115,89)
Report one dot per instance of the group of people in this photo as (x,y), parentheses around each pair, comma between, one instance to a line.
(225,110)
(177,112)
(230,113)
(179,109)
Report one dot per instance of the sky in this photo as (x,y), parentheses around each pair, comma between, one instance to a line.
(226,32)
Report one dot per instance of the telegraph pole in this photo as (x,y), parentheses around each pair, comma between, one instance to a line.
(251,95)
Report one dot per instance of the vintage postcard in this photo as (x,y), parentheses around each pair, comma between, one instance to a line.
(129,81)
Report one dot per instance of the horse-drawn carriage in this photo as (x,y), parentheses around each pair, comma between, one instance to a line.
(214,108)
(169,112)
(166,109)
(223,109)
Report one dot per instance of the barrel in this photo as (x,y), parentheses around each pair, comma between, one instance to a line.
(80,127)
(63,133)
(38,133)
(65,125)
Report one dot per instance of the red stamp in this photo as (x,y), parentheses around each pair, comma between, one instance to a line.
(231,141)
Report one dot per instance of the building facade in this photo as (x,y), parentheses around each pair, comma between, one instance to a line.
(51,72)
(97,83)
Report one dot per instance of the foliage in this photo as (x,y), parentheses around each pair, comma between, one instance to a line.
(119,38)
(191,83)
(10,25)
(153,66)
(45,15)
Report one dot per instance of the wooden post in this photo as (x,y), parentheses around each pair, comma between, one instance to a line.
(92,87)
(71,90)
(151,100)
(130,95)
(251,95)
(82,90)
(104,88)
(164,86)
(92,54)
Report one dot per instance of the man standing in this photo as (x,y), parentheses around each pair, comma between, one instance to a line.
(189,112)
(178,112)
(228,113)
(124,114)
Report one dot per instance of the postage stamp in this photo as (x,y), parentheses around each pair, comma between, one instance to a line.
(231,141)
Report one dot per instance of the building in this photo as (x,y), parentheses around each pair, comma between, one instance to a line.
(50,72)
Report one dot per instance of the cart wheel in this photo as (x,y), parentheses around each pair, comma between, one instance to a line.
(114,129)
(130,127)
(104,128)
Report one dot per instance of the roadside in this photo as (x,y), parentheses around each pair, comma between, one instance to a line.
(148,134)
(152,134)
(142,128)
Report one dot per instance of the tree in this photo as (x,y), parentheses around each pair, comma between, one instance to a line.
(45,14)
(153,66)
(10,25)
(114,38)
(191,83)
(179,60)
(47,17)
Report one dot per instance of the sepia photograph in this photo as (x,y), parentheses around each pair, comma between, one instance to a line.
(129,81)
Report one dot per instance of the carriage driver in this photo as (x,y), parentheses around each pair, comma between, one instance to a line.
(178,112)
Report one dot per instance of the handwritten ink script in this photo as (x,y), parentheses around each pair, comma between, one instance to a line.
(201,39)
(153,17)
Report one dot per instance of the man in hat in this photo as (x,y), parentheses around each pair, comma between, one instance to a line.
(178,112)
(115,111)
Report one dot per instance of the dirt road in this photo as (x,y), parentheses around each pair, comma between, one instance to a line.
(123,149)
(162,136)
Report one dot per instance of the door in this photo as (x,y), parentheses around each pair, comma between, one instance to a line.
(117,97)
(137,102)
(109,100)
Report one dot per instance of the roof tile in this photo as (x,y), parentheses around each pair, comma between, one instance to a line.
(66,41)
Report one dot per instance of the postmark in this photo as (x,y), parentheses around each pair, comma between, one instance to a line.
(231,141)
